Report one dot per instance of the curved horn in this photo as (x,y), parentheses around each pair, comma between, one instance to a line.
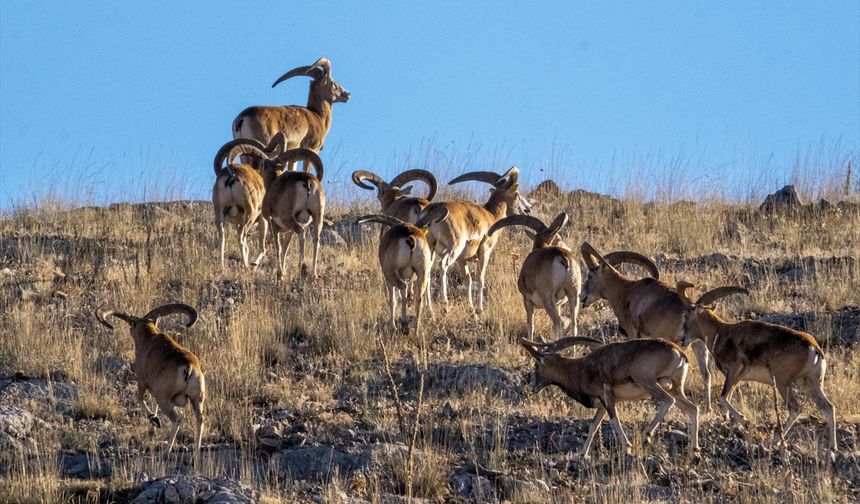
(102,315)
(682,287)
(277,144)
(417,174)
(302,154)
(518,220)
(388,220)
(616,258)
(510,177)
(561,344)
(489,177)
(170,309)
(323,63)
(302,70)
(589,255)
(360,176)
(432,214)
(531,348)
(248,146)
(559,222)
(712,296)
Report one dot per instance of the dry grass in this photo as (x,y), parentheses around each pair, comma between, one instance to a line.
(311,349)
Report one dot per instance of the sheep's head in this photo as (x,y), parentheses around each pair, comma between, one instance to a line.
(695,314)
(600,268)
(549,365)
(389,192)
(505,189)
(541,234)
(323,87)
(150,320)
(253,153)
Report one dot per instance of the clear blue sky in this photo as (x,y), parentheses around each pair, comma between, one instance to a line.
(96,98)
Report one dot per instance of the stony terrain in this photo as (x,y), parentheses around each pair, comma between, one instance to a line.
(301,406)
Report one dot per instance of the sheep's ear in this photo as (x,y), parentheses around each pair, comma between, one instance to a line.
(406,191)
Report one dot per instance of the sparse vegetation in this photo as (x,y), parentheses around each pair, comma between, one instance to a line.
(294,369)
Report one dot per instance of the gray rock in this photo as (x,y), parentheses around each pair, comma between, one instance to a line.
(184,489)
(473,487)
(16,424)
(331,238)
(524,491)
(316,463)
(446,379)
(84,466)
(782,200)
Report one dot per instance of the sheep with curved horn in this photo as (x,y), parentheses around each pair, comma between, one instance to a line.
(168,370)
(302,126)
(760,352)
(462,237)
(644,307)
(394,196)
(293,199)
(237,195)
(627,371)
(403,254)
(550,275)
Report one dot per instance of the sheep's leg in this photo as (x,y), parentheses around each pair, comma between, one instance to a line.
(726,396)
(484,260)
(244,230)
(530,316)
(422,286)
(170,411)
(609,402)
(419,287)
(219,225)
(552,310)
(663,398)
(152,416)
(392,305)
(445,263)
(263,229)
(318,225)
(573,310)
(826,407)
(468,274)
(687,406)
(794,410)
(700,350)
(302,267)
(592,430)
(198,413)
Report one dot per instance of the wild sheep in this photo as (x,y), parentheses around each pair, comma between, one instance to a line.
(645,307)
(627,371)
(293,199)
(403,254)
(462,237)
(394,196)
(237,195)
(549,275)
(304,127)
(761,352)
(168,370)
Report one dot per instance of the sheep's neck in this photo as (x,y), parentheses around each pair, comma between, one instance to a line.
(711,325)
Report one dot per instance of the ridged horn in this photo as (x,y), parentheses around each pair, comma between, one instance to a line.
(417,174)
(589,255)
(103,314)
(531,348)
(556,225)
(561,344)
(518,220)
(235,148)
(489,177)
(170,309)
(616,258)
(323,63)
(682,287)
(360,176)
(388,220)
(712,296)
(302,154)
(432,214)
(302,70)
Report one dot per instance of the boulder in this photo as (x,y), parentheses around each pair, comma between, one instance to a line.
(183,489)
(783,200)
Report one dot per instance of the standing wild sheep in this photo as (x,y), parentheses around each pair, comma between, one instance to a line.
(169,371)
(761,352)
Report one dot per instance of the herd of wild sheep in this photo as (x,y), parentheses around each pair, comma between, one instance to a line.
(260,185)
